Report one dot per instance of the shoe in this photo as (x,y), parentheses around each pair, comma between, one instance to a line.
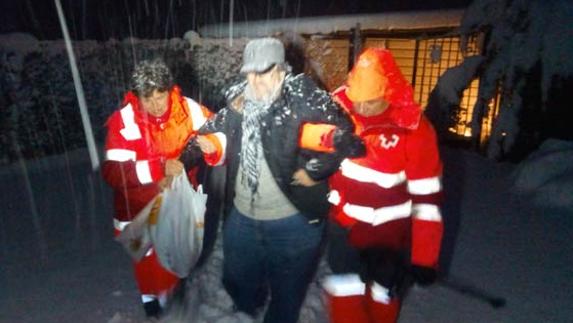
(152,308)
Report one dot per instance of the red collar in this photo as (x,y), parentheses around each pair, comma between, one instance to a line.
(401,113)
(143,116)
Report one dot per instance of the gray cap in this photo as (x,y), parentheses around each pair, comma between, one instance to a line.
(262,53)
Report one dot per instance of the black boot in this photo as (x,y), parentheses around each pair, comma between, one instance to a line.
(152,308)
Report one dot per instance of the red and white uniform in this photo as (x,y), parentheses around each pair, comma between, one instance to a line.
(137,146)
(390,197)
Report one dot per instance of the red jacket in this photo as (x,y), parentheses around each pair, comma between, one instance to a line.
(138,145)
(390,197)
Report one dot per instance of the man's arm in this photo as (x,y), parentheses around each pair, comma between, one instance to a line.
(327,134)
(211,140)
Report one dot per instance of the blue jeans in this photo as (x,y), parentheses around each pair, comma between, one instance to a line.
(278,254)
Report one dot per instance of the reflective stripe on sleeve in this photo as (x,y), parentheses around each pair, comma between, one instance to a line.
(378,216)
(317,137)
(197,116)
(143,172)
(425,186)
(120,155)
(223,141)
(344,285)
(130,130)
(367,175)
(427,212)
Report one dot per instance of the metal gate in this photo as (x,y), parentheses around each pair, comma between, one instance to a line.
(422,60)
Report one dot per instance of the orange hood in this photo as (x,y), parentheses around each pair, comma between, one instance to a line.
(376,75)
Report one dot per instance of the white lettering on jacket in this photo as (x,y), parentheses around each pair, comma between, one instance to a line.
(386,143)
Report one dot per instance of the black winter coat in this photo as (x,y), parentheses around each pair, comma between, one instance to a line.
(301,101)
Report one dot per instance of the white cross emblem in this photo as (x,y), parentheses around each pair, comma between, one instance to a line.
(387,144)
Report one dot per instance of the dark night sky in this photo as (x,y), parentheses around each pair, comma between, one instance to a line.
(104,19)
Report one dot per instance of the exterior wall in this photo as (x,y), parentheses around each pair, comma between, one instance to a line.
(327,61)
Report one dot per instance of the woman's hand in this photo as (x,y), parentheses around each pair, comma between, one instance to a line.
(165,183)
(173,167)
(206,146)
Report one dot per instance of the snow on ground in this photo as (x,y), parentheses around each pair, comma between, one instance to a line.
(59,263)
(546,176)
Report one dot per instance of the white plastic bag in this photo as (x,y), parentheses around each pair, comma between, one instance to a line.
(135,237)
(178,234)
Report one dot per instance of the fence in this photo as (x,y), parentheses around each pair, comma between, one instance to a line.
(422,58)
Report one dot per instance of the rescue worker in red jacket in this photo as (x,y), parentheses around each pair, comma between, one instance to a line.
(385,205)
(144,142)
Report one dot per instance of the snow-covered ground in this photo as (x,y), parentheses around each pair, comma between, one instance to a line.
(59,263)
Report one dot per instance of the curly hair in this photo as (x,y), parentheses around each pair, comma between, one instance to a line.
(150,75)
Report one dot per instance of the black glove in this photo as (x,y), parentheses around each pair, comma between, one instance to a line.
(191,155)
(423,276)
(348,144)
(381,265)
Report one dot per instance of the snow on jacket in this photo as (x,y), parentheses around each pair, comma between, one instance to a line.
(137,146)
(300,102)
(390,197)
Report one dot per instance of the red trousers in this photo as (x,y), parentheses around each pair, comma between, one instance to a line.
(369,304)
(152,278)
(153,281)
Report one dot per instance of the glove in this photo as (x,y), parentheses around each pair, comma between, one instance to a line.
(423,276)
(191,155)
(381,265)
(348,144)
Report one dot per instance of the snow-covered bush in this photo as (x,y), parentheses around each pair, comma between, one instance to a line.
(39,104)
(526,56)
